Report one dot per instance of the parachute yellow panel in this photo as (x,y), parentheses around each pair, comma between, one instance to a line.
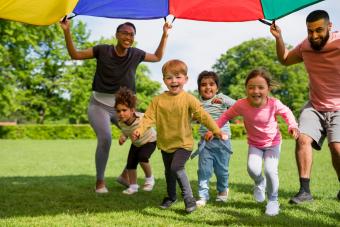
(37,12)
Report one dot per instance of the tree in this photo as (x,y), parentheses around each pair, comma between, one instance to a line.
(234,66)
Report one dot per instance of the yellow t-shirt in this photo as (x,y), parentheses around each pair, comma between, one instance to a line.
(171,115)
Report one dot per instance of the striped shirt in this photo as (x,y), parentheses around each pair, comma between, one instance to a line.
(216,110)
(148,136)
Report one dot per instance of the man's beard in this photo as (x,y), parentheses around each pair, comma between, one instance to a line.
(319,46)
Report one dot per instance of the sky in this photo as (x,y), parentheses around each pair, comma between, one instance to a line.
(199,44)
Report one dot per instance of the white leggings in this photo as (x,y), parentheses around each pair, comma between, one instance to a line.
(271,156)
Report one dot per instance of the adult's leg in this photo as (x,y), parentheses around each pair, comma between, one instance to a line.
(335,152)
(99,119)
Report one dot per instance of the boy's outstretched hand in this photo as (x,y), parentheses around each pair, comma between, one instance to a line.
(295,132)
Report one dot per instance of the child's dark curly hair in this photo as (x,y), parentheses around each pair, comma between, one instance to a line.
(126,97)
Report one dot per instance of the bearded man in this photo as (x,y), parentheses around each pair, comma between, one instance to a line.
(320,117)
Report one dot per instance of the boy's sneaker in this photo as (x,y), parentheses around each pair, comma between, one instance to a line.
(260,191)
(167,202)
(102,190)
(272,208)
(131,190)
(201,202)
(301,197)
(223,198)
(190,204)
(122,181)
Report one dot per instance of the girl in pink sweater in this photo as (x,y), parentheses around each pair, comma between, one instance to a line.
(259,112)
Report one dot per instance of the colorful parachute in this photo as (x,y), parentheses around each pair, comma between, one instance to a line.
(45,12)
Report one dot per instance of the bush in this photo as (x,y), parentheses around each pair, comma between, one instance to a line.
(86,132)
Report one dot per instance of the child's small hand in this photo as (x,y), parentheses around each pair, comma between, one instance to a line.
(122,139)
(222,136)
(294,132)
(216,101)
(208,136)
(135,135)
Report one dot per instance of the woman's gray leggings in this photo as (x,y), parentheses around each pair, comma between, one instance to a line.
(101,116)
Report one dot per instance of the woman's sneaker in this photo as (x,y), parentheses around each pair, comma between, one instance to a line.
(201,202)
(102,190)
(272,208)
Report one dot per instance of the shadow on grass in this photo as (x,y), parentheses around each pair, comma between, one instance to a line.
(34,196)
(52,195)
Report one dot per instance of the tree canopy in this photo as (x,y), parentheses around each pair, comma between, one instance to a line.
(40,82)
(234,66)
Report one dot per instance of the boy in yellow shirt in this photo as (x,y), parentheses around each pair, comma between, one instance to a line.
(171,113)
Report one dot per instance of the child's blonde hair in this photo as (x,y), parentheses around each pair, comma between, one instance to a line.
(174,66)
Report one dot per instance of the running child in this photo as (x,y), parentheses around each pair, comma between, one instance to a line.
(214,155)
(171,112)
(259,112)
(142,148)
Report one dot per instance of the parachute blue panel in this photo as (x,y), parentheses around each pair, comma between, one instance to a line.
(128,9)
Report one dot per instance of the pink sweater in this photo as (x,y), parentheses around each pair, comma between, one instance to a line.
(323,69)
(260,123)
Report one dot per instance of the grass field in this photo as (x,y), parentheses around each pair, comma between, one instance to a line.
(51,183)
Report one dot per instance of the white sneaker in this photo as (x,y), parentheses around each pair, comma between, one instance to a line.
(272,208)
(222,198)
(260,191)
(148,185)
(201,202)
(131,190)
(102,190)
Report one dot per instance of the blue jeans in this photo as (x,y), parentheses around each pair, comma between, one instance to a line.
(214,157)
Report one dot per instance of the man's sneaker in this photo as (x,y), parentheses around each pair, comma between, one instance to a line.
(201,202)
(301,197)
(102,190)
(260,191)
(190,204)
(130,191)
(122,181)
(272,208)
(148,185)
(339,195)
(167,202)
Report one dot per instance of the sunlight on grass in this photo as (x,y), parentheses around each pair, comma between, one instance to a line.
(50,183)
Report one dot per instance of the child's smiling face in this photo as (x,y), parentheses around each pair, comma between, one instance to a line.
(257,91)
(175,82)
(208,88)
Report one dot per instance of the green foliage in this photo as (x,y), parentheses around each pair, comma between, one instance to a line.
(85,131)
(51,132)
(234,66)
(39,82)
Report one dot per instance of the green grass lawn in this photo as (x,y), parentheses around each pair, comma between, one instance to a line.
(51,183)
